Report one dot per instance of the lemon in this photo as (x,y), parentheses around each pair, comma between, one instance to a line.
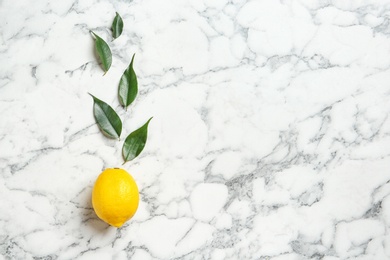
(115,196)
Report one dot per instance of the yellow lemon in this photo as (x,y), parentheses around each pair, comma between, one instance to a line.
(115,196)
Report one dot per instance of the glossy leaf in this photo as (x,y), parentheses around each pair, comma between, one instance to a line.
(104,52)
(135,142)
(117,26)
(128,86)
(106,118)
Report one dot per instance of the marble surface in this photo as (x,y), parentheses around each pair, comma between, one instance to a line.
(270,137)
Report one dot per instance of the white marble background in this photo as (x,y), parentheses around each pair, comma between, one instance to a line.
(270,137)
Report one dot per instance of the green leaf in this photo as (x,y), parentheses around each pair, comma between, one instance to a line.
(104,52)
(135,142)
(106,118)
(117,26)
(128,86)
